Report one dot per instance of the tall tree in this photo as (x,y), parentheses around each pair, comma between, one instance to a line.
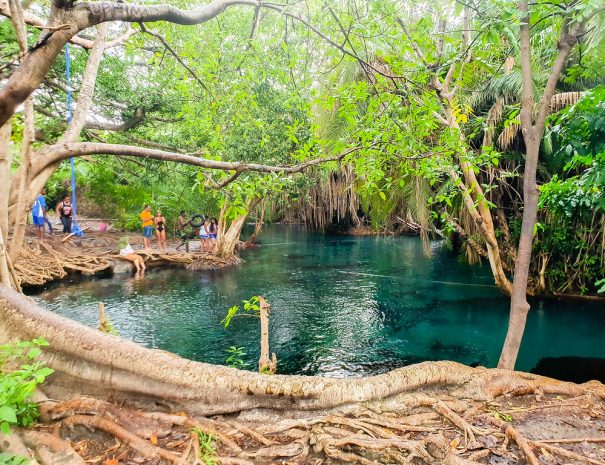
(573,19)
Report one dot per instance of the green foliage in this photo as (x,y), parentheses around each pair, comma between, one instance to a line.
(251,308)
(266,370)
(207,445)
(235,358)
(20,374)
(574,198)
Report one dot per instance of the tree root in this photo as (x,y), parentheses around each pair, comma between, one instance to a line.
(51,449)
(571,441)
(567,453)
(147,449)
(250,432)
(364,437)
(523,444)
(453,459)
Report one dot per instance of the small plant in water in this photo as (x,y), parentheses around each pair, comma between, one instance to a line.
(255,307)
(235,359)
(105,323)
(207,447)
(251,308)
(20,374)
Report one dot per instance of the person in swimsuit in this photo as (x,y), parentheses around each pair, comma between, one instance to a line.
(204,237)
(65,212)
(213,233)
(160,229)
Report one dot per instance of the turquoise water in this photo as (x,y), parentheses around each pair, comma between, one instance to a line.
(341,306)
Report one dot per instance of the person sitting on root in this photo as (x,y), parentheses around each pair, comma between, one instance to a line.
(127,253)
(204,237)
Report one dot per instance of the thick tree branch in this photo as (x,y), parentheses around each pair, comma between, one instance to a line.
(41,57)
(88,87)
(138,118)
(39,23)
(58,152)
(113,11)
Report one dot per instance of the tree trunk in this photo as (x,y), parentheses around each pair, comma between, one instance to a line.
(32,182)
(519,307)
(228,240)
(532,135)
(26,142)
(5,276)
(21,208)
(259,224)
(5,166)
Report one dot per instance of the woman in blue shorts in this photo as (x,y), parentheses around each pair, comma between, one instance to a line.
(213,233)
(204,237)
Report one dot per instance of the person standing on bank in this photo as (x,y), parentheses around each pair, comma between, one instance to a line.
(66,212)
(38,211)
(160,229)
(204,236)
(148,225)
(213,233)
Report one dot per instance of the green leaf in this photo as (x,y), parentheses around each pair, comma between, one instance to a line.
(8,414)
(33,353)
(5,427)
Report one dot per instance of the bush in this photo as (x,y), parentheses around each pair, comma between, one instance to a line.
(20,374)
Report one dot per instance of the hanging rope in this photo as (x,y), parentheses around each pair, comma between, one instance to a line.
(75,229)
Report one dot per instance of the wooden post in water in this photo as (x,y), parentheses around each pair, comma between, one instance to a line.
(265,364)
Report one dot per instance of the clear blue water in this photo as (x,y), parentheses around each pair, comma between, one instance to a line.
(341,306)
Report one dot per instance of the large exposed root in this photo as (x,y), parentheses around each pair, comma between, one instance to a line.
(421,414)
(53,259)
(483,435)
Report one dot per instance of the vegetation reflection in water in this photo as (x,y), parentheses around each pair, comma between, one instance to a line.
(341,306)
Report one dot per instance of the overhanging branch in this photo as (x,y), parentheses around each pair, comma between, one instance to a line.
(59,152)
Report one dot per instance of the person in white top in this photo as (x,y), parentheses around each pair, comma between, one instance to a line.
(127,253)
(204,237)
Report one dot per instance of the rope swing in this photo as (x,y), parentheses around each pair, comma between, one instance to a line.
(75,229)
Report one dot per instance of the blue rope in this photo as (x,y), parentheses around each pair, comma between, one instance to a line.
(75,229)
